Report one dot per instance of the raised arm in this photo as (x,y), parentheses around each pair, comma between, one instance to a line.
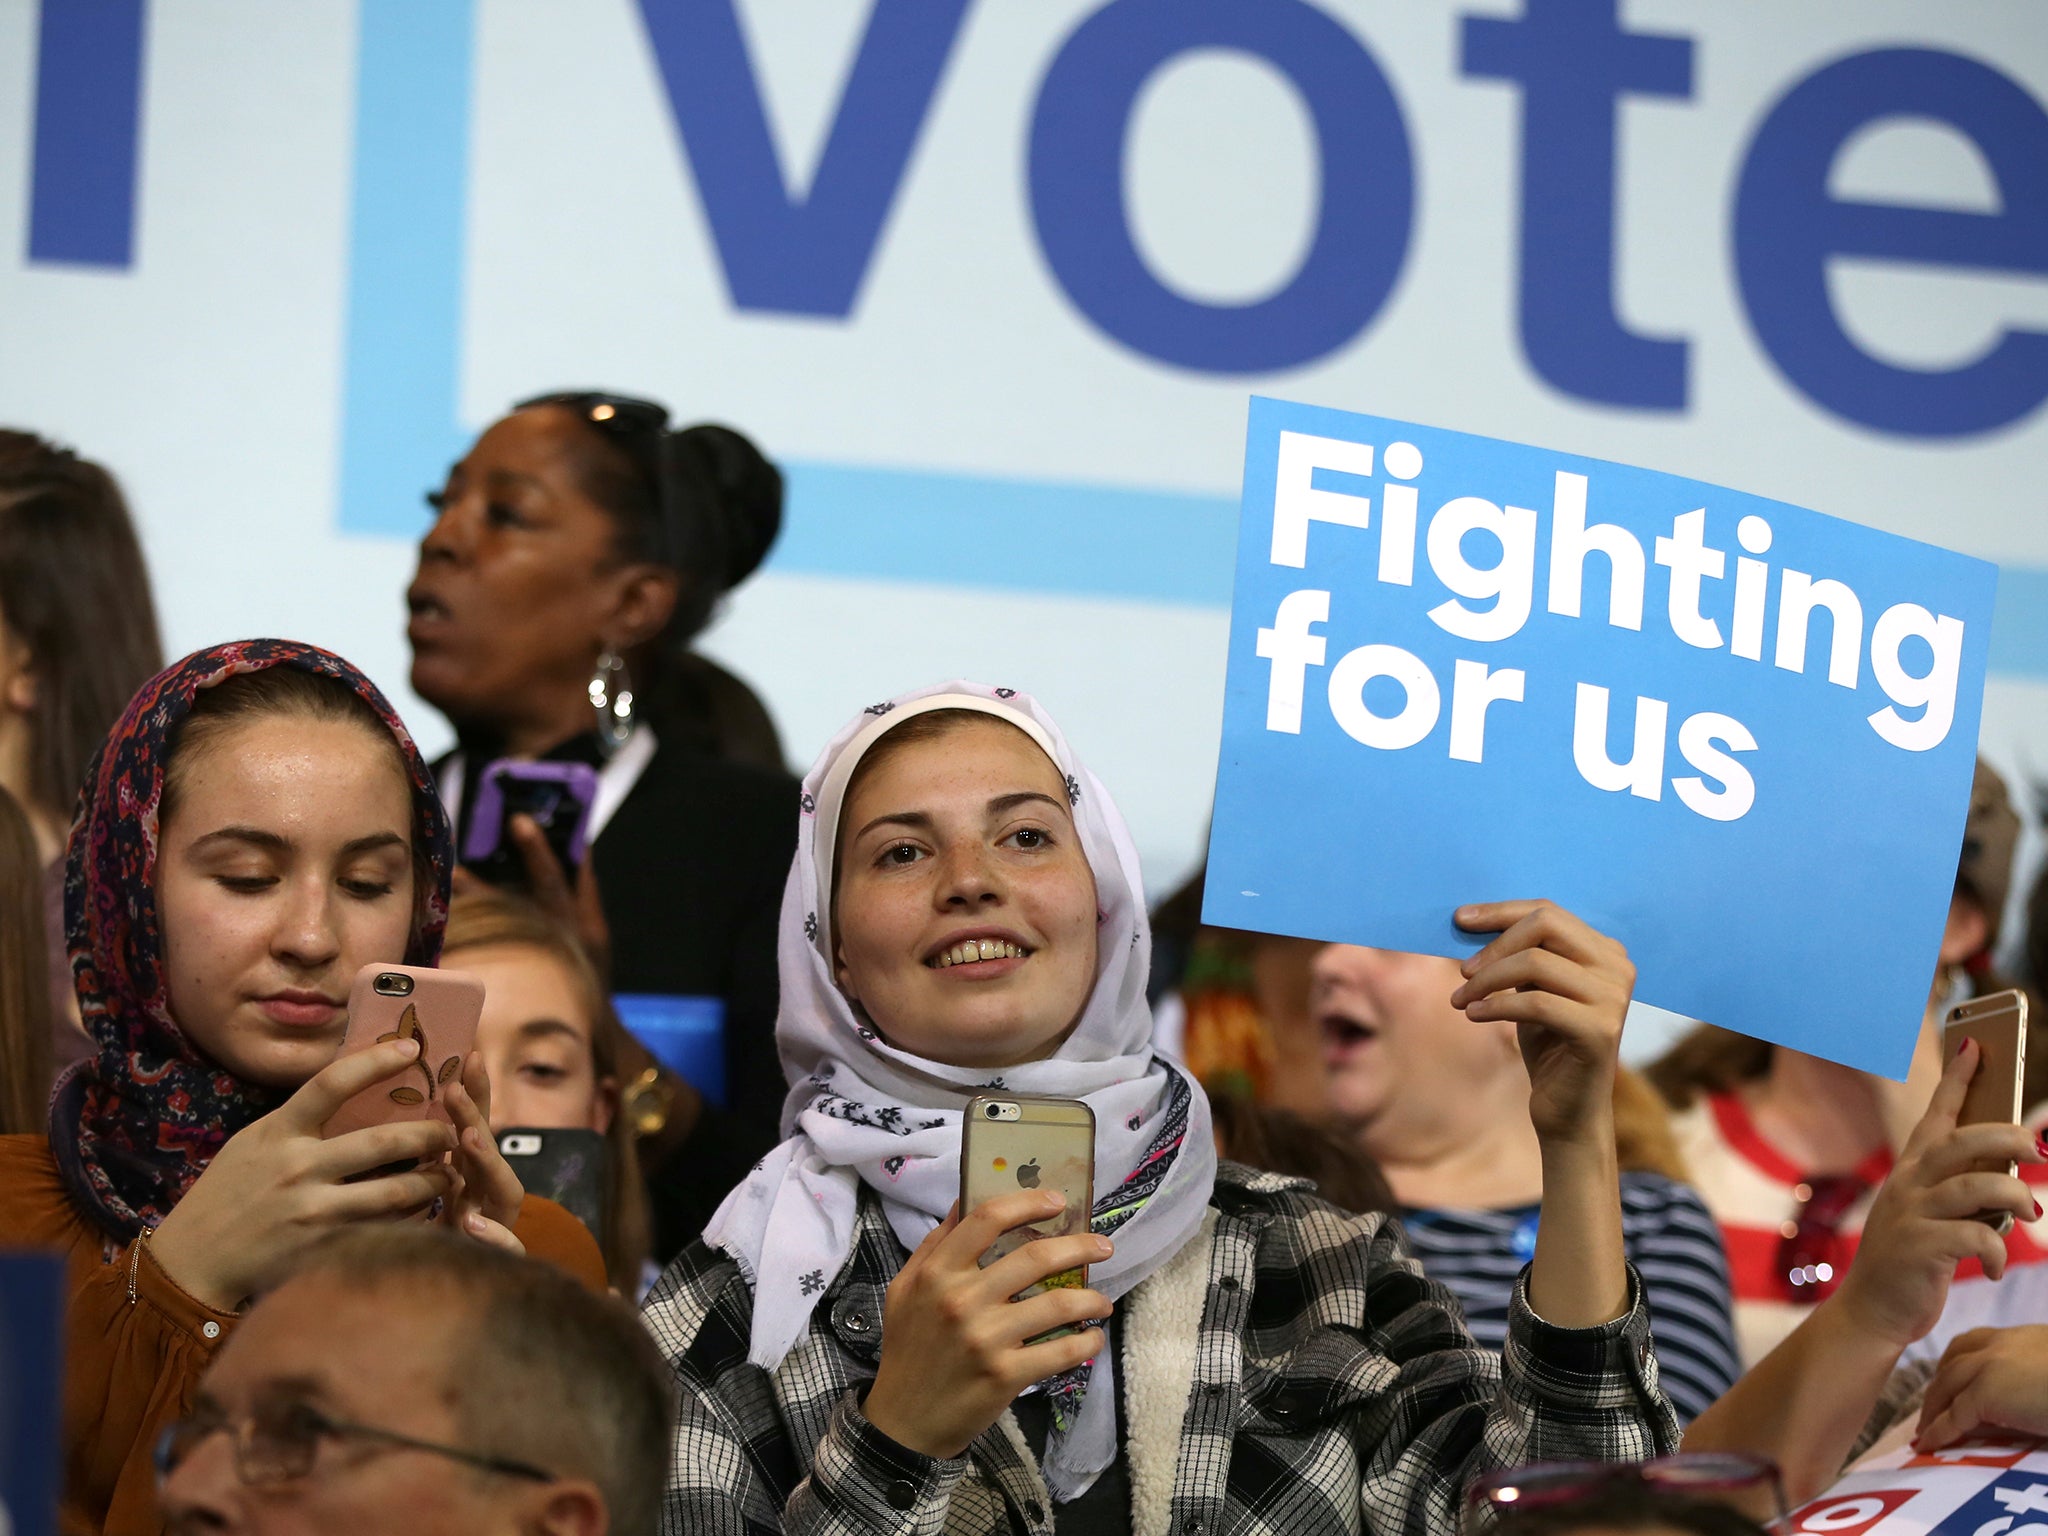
(1803,1404)
(1566,988)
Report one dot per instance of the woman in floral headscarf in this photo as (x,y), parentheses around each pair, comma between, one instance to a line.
(965,914)
(256,828)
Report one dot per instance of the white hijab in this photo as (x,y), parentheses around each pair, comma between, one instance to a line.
(862,1111)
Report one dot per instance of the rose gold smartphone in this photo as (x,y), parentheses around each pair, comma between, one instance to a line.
(1998,1023)
(1010,1142)
(439,1009)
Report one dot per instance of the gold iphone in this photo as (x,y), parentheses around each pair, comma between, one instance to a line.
(1998,1023)
(1010,1142)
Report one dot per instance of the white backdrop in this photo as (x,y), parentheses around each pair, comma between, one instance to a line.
(360,231)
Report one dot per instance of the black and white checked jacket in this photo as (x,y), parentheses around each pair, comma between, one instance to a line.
(1289,1373)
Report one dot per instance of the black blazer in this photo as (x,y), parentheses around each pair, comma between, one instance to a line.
(691,868)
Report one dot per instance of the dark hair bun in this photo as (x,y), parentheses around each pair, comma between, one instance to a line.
(730,504)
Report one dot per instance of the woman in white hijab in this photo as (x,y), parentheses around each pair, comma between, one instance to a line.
(965,912)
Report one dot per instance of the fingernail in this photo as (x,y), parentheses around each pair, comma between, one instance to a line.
(2041,1145)
(1104,1247)
(2037,1210)
(1055,1199)
(475,1223)
(409,1047)
(1462,915)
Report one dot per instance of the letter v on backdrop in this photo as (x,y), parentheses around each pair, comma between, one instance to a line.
(801,255)
(1736,734)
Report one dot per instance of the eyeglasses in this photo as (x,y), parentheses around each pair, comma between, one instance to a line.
(279,1442)
(1719,1477)
(1811,1262)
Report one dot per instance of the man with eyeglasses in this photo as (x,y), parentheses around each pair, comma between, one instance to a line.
(401,1380)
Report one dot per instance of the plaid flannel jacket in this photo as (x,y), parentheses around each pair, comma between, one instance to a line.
(1334,1389)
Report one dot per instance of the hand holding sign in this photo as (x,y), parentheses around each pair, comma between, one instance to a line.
(1566,989)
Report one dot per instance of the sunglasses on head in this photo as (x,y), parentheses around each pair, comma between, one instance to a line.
(617,415)
(1717,1477)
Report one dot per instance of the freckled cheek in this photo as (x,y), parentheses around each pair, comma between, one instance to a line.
(1066,911)
(881,928)
(207,950)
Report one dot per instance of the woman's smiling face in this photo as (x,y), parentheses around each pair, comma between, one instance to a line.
(964,907)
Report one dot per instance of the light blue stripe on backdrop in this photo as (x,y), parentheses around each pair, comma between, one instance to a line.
(409,205)
(1014,535)
(2019,624)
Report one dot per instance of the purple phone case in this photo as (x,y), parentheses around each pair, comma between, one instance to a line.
(580,779)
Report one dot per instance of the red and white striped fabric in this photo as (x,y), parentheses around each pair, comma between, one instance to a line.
(1756,1193)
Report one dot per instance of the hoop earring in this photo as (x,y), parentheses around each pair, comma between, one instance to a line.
(611,695)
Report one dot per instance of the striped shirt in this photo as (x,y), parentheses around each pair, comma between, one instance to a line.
(1756,1194)
(1670,1238)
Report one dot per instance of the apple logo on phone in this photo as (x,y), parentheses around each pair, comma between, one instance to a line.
(1027,1174)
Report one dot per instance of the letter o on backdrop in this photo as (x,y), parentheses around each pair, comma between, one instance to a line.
(1078,132)
(1390,733)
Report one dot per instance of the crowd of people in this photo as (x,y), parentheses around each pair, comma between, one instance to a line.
(1377,1241)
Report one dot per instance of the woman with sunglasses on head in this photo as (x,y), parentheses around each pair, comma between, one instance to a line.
(257,827)
(965,915)
(578,550)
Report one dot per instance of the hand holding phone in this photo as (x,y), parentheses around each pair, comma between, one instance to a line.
(556,797)
(957,1343)
(280,1183)
(1936,1208)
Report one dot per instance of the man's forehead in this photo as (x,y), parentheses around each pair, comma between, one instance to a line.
(343,1344)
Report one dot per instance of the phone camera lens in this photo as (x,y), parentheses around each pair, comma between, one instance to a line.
(394,984)
(993,1111)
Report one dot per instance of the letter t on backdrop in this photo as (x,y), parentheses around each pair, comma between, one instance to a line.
(1747,828)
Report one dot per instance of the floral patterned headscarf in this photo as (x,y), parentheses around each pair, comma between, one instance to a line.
(133,1125)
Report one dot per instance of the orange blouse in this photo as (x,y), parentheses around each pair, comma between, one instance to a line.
(133,1367)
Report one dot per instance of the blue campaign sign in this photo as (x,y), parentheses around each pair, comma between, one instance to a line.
(1736,734)
(31,1383)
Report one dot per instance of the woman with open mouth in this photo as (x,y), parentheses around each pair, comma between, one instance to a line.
(965,915)
(576,551)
